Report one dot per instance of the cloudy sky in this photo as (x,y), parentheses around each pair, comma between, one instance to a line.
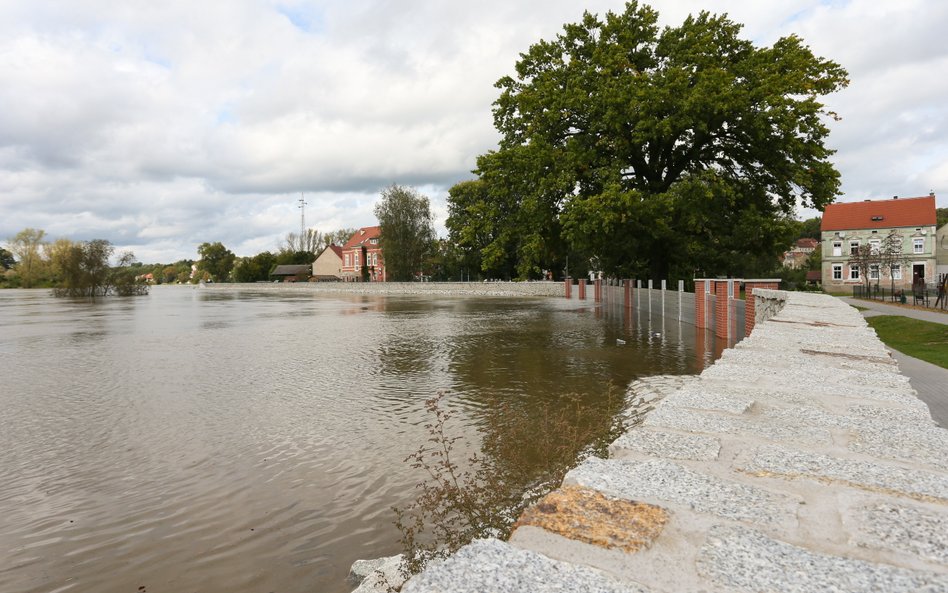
(161,125)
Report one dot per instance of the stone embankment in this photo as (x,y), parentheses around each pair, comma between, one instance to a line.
(800,461)
(466,289)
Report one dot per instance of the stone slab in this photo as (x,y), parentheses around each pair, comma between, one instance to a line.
(911,442)
(795,431)
(915,531)
(663,482)
(709,399)
(586,515)
(496,567)
(871,476)
(668,445)
(746,560)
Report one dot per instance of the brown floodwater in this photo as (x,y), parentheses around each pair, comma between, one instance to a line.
(213,441)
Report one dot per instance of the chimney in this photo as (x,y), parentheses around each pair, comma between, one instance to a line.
(931,193)
(895,197)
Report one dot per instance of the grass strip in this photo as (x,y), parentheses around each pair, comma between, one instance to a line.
(922,339)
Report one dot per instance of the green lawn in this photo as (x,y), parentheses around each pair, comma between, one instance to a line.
(921,339)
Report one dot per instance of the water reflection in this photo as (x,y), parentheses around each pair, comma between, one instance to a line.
(220,440)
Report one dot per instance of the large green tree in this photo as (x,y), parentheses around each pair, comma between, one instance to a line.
(27,247)
(658,151)
(407,234)
(216,260)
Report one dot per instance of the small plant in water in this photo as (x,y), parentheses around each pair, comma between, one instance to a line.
(525,453)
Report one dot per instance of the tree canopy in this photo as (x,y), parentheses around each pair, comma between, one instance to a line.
(652,151)
(7,260)
(26,247)
(82,270)
(216,260)
(407,234)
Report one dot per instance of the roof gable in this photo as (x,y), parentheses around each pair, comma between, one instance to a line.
(878,214)
(362,236)
(331,250)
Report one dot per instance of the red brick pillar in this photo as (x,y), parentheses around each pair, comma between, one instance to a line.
(569,288)
(720,309)
(627,285)
(750,304)
(597,290)
(700,321)
(582,289)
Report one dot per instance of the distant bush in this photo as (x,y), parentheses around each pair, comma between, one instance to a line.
(82,270)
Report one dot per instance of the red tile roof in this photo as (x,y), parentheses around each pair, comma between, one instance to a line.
(336,249)
(807,243)
(362,236)
(877,214)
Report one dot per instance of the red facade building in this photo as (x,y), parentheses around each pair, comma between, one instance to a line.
(362,259)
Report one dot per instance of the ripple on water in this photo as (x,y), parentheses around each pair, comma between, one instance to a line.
(222,441)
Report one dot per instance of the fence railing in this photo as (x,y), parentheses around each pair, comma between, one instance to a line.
(930,295)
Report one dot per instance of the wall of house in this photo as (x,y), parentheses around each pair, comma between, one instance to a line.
(327,264)
(941,250)
(357,260)
(863,236)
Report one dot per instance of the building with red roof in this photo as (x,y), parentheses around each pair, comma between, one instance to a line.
(799,253)
(362,258)
(848,226)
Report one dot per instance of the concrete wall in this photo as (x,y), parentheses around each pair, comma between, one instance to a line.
(537,289)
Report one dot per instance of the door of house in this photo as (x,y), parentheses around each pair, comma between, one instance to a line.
(918,271)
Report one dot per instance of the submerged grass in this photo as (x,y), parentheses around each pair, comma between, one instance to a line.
(922,339)
(524,454)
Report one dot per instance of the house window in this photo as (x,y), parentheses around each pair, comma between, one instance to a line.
(854,248)
(837,271)
(837,248)
(374,241)
(874,272)
(348,261)
(375,259)
(874,245)
(896,272)
(854,272)
(356,255)
(918,245)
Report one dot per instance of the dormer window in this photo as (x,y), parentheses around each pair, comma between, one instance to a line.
(878,218)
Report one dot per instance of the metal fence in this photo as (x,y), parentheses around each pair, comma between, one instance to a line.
(931,295)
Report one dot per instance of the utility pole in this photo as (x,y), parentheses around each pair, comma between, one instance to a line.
(302,207)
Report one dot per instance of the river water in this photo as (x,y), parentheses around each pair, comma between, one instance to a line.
(200,440)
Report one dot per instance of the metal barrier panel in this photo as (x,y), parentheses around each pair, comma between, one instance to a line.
(672,304)
(740,314)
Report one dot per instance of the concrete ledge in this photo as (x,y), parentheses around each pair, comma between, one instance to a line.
(801,461)
(502,289)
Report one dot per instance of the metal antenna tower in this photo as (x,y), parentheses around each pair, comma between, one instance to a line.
(302,207)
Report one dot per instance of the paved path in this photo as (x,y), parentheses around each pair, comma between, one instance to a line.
(800,461)
(929,380)
(880,308)
(931,383)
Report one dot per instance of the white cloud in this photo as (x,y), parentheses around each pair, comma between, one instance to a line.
(160,125)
